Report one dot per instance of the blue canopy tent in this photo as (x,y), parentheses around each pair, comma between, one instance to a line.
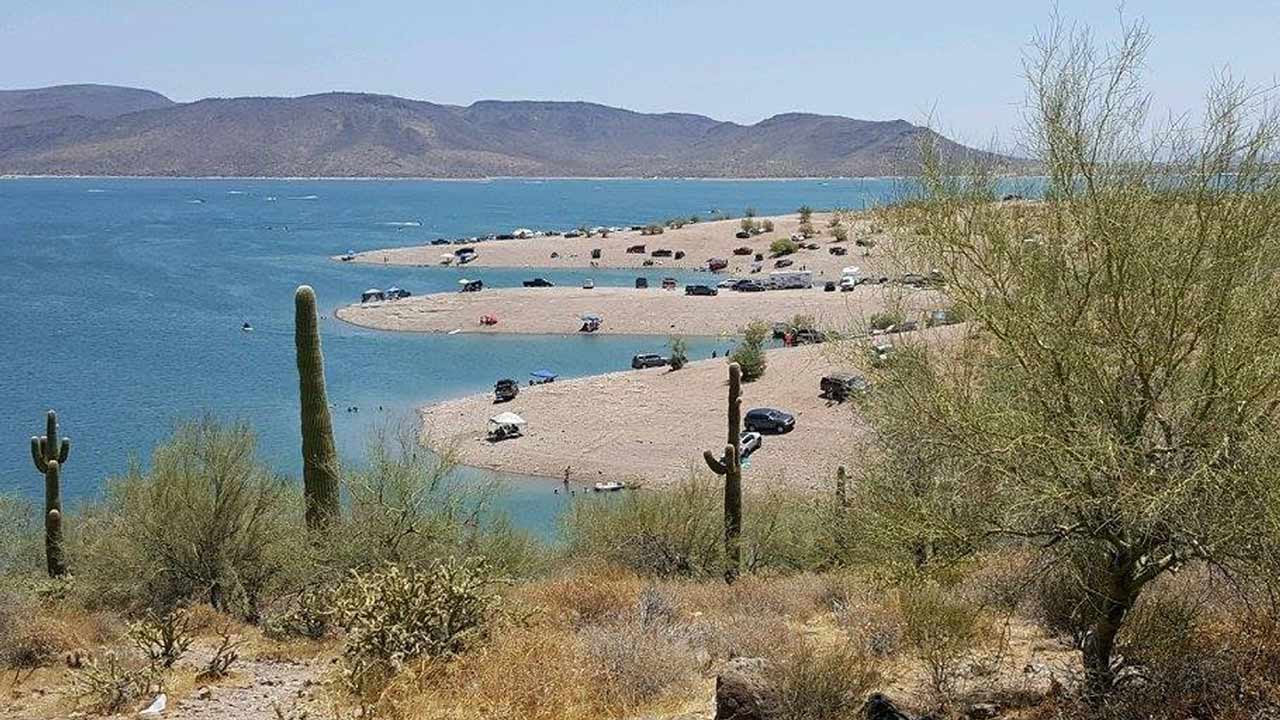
(538,377)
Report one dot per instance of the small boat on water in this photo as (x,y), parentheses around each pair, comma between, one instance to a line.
(246,327)
(609,486)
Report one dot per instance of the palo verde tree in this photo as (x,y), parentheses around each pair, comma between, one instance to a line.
(1114,400)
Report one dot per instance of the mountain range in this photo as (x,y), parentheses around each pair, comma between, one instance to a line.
(108,130)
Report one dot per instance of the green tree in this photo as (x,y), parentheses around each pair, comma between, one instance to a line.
(806,213)
(783,246)
(749,355)
(1114,403)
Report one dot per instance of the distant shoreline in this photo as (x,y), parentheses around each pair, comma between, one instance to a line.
(366,178)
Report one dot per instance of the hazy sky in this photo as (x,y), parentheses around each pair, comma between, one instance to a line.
(741,61)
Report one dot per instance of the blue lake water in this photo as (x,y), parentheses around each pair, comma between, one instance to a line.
(123,301)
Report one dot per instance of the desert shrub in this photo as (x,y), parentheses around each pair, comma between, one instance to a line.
(805,212)
(944,632)
(822,683)
(806,230)
(21,536)
(750,352)
(225,655)
(680,532)
(870,618)
(885,319)
(114,682)
(638,662)
(394,615)
(1062,602)
(783,246)
(308,614)
(766,225)
(651,229)
(34,640)
(726,636)
(207,522)
(162,637)
(748,225)
(679,353)
(840,233)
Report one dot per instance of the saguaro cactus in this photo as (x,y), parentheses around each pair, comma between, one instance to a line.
(49,454)
(320,469)
(730,466)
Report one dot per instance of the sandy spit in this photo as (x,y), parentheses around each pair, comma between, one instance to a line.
(627,311)
(651,426)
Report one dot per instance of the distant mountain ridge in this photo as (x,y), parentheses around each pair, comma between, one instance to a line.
(135,132)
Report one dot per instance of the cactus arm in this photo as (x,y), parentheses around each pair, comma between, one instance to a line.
(65,450)
(37,455)
(716,466)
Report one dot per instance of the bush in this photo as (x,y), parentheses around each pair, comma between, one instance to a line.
(783,246)
(766,225)
(750,353)
(638,662)
(208,522)
(840,233)
(822,683)
(33,640)
(114,683)
(806,229)
(885,320)
(162,637)
(748,225)
(806,213)
(679,353)
(944,632)
(651,229)
(395,614)
(680,532)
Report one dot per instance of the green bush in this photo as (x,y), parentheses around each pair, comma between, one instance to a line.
(748,225)
(208,522)
(679,532)
(750,354)
(806,213)
(393,615)
(840,233)
(783,246)
(885,320)
(944,632)
(766,225)
(679,353)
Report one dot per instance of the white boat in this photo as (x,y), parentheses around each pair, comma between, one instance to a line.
(609,486)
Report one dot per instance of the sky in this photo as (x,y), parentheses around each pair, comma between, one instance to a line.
(742,61)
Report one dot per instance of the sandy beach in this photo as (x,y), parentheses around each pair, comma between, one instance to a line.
(699,241)
(651,426)
(627,311)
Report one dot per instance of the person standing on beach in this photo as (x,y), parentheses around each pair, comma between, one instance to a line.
(566,476)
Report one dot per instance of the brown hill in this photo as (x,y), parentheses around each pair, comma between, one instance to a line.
(360,135)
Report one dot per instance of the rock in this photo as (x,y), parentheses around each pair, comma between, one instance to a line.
(205,693)
(743,692)
(880,707)
(982,711)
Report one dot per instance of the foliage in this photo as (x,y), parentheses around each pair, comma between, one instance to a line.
(651,229)
(207,522)
(393,615)
(1114,398)
(162,637)
(806,213)
(749,355)
(840,233)
(783,246)
(224,656)
(822,683)
(944,632)
(115,682)
(748,225)
(806,229)
(885,319)
(679,353)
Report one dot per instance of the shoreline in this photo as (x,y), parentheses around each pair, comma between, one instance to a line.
(486,178)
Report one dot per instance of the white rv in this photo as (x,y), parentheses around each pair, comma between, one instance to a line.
(790,279)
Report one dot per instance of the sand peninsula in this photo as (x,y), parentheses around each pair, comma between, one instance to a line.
(699,242)
(651,426)
(628,311)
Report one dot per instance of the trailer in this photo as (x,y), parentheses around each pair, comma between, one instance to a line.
(791,279)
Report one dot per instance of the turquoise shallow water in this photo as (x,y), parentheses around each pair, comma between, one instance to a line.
(123,301)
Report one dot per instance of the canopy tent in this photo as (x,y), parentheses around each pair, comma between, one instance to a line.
(372,294)
(543,375)
(507,418)
(589,318)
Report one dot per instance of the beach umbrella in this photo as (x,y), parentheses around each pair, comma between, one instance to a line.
(507,418)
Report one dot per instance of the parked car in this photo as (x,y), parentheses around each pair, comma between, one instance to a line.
(679,254)
(784,262)
(595,253)
(743,250)
(588,284)
(913,279)
(842,386)
(538,282)
(742,234)
(829,286)
(808,336)
(717,264)
(749,286)
(749,442)
(700,290)
(505,389)
(440,241)
(668,283)
(940,317)
(647,360)
(642,283)
(661,252)
(837,250)
(768,420)
(634,249)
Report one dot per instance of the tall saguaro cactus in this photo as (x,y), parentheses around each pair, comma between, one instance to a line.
(49,454)
(730,466)
(320,471)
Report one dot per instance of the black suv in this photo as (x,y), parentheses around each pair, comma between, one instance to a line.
(538,282)
(647,360)
(700,290)
(769,420)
